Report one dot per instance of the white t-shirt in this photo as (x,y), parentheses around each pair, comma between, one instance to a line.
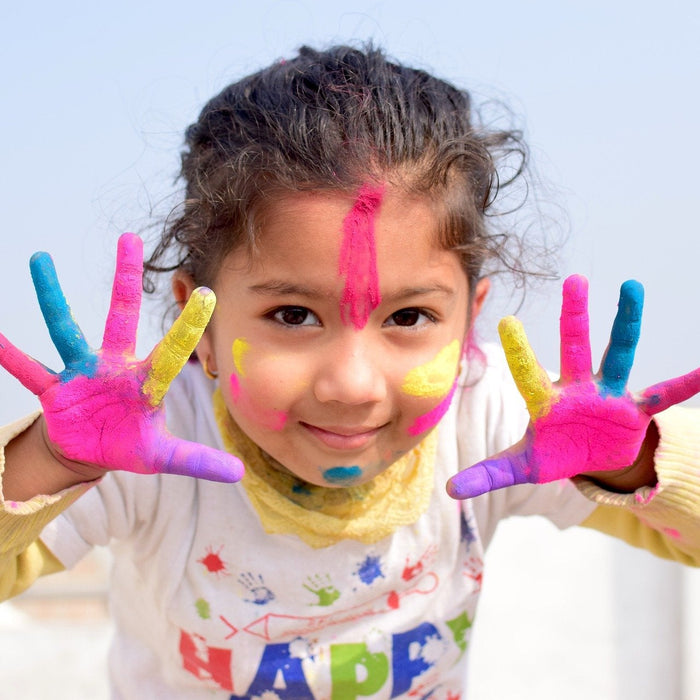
(206,604)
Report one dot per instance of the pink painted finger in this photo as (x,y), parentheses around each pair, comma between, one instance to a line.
(498,472)
(123,317)
(186,458)
(574,331)
(661,396)
(32,374)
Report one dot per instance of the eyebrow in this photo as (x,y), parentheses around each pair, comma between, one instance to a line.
(284,288)
(409,292)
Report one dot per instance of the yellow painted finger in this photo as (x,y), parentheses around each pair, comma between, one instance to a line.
(171,354)
(531,379)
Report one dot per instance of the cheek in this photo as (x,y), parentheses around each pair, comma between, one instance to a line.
(261,387)
(427,421)
(435,379)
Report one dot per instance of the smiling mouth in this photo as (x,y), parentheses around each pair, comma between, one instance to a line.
(342,438)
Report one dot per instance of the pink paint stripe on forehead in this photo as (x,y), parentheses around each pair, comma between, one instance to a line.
(358,259)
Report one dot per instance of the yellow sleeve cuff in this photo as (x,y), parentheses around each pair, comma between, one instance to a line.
(23,557)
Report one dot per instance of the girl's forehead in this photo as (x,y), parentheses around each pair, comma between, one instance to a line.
(361,245)
(304,218)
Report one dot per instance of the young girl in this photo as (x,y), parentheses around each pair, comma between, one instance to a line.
(337,205)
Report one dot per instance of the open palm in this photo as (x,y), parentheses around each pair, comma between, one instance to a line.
(584,422)
(105,408)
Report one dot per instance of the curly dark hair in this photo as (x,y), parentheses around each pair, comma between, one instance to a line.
(333,120)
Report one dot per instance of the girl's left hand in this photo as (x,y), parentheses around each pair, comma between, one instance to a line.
(583,423)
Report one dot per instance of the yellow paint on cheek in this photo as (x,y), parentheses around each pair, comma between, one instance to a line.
(434,378)
(240,349)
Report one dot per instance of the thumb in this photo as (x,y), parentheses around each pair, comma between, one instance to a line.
(504,469)
(177,456)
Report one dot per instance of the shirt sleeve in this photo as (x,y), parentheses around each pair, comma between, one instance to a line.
(664,519)
(23,557)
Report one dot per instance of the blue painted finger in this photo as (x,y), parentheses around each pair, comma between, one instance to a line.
(619,357)
(64,331)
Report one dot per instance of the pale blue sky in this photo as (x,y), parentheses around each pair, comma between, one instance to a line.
(95,99)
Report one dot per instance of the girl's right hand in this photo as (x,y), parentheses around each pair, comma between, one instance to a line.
(104,410)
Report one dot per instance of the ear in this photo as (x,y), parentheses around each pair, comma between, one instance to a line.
(183,286)
(483,286)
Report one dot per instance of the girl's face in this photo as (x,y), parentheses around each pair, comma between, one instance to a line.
(338,341)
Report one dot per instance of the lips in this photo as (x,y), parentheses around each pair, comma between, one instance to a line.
(342,437)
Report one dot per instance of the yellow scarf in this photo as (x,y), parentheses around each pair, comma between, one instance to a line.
(324,516)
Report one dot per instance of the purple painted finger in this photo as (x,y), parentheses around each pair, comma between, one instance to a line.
(31,373)
(506,469)
(178,456)
(575,339)
(661,396)
(123,317)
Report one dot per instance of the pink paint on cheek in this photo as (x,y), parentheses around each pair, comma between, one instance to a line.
(358,259)
(235,387)
(429,420)
(269,418)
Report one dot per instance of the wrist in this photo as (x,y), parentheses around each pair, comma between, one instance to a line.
(34,467)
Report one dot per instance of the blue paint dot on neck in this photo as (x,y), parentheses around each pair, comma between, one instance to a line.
(342,475)
(302,489)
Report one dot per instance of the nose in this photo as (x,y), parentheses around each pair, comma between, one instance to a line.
(350,373)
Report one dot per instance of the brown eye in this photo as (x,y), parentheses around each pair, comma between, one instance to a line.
(295,316)
(406,317)
(410,317)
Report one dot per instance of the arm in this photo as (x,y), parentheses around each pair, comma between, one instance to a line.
(102,412)
(584,424)
(23,557)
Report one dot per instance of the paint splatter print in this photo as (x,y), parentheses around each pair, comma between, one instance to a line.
(414,570)
(370,569)
(322,587)
(202,607)
(255,586)
(213,563)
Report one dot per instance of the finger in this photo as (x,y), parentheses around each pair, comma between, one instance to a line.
(532,381)
(574,331)
(619,356)
(64,331)
(170,355)
(32,374)
(198,461)
(123,317)
(497,472)
(661,396)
